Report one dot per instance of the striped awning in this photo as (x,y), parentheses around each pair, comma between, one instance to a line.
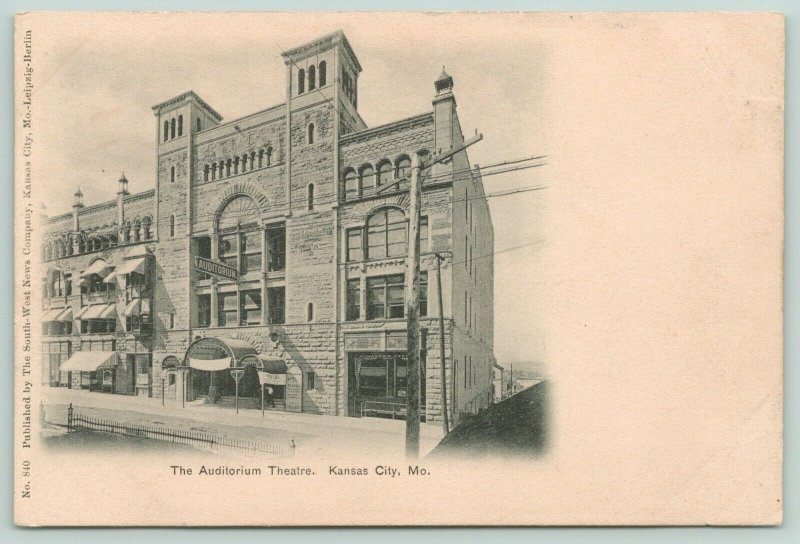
(65,315)
(89,361)
(51,314)
(133,307)
(111,277)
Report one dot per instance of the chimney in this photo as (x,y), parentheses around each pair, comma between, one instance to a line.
(444,116)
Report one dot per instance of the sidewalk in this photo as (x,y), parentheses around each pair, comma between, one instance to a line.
(314,435)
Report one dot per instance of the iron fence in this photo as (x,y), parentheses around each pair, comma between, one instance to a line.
(198,439)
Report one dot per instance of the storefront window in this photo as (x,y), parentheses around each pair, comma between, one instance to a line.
(353,300)
(277,304)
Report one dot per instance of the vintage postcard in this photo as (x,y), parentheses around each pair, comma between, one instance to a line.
(398,269)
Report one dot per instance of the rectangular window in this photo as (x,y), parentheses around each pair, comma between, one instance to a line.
(203,310)
(68,285)
(251,307)
(227,310)
(276,247)
(203,248)
(376,298)
(376,240)
(227,250)
(277,304)
(353,300)
(372,378)
(396,238)
(355,250)
(310,381)
(251,251)
(386,296)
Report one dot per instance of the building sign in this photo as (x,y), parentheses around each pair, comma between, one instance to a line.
(271,379)
(362,342)
(220,270)
(294,390)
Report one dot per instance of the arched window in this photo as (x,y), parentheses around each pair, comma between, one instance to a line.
(323,68)
(146,227)
(260,158)
(310,196)
(228,168)
(240,237)
(166,130)
(236,165)
(269,156)
(310,133)
(403,168)
(137,225)
(172,128)
(312,78)
(171,226)
(386,234)
(301,81)
(244,163)
(384,173)
(367,178)
(253,161)
(70,248)
(126,235)
(221,169)
(350,185)
(310,312)
(206,171)
(214,171)
(199,125)
(81,245)
(172,174)
(180,125)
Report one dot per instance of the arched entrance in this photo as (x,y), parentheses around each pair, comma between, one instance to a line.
(210,361)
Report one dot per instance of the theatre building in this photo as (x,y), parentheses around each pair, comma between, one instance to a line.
(268,253)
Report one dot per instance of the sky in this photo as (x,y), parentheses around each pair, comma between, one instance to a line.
(98,79)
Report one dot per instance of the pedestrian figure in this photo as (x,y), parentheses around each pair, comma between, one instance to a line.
(270,399)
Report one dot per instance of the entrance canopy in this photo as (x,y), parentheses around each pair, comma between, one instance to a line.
(212,354)
(273,365)
(89,361)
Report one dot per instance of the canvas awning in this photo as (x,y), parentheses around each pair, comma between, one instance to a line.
(65,315)
(50,315)
(89,361)
(97,267)
(111,277)
(97,311)
(132,265)
(266,363)
(133,307)
(210,365)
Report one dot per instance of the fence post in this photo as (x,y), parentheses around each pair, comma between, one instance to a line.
(293,447)
(69,417)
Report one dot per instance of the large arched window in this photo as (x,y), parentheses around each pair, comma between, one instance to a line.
(386,234)
(312,78)
(301,81)
(350,185)
(384,173)
(323,69)
(240,236)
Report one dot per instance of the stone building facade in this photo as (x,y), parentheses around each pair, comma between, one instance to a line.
(306,285)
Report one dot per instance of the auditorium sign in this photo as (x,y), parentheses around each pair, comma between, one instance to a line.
(215,268)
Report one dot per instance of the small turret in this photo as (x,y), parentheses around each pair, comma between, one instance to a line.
(123,185)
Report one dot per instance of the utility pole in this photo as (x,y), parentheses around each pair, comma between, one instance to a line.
(442,373)
(412,289)
(412,315)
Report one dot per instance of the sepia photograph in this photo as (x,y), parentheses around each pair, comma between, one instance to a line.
(350,258)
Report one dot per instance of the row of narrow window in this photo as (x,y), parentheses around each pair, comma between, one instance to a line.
(132,232)
(311,77)
(237,165)
(368,179)
(173,128)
